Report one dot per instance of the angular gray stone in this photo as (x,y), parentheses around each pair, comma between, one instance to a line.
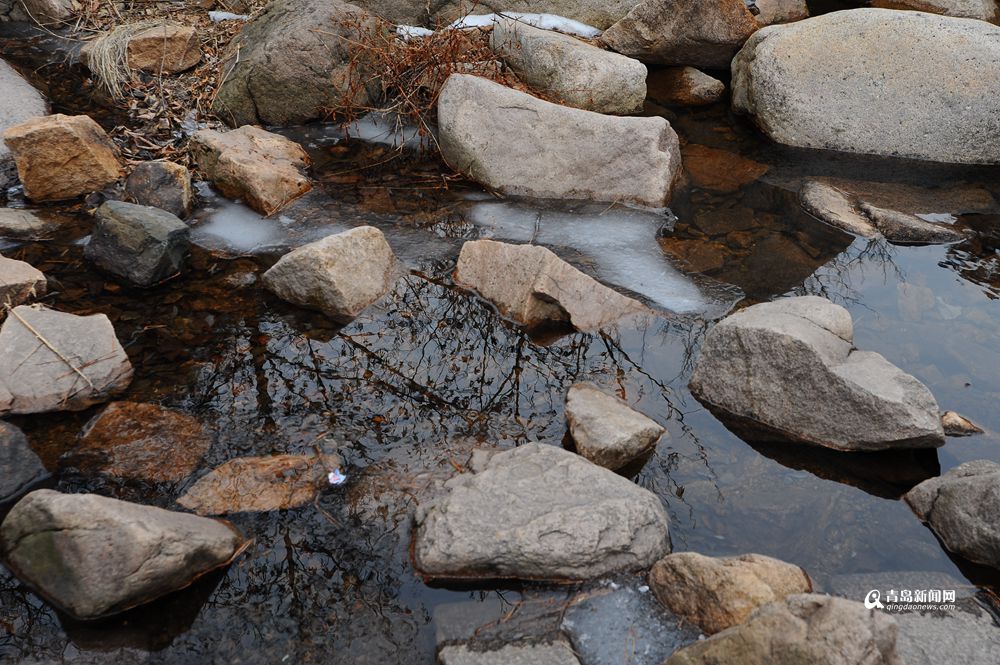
(521,145)
(49,12)
(805,628)
(20,468)
(702,33)
(339,275)
(554,653)
(606,430)
(19,101)
(92,556)
(162,184)
(139,244)
(539,512)
(806,84)
(90,365)
(963,508)
(533,286)
(22,224)
(789,368)
(19,283)
(569,70)
(899,227)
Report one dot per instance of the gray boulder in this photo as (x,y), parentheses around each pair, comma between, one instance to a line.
(702,33)
(789,370)
(92,556)
(606,430)
(19,101)
(901,228)
(518,144)
(54,361)
(140,244)
(984,10)
(963,508)
(805,628)
(339,275)
(161,184)
(539,512)
(20,468)
(569,70)
(23,224)
(906,73)
(19,283)
(293,63)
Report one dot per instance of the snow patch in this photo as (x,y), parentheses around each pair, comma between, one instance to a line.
(543,21)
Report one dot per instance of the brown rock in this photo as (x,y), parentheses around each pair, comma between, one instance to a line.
(717,593)
(19,282)
(163,185)
(683,86)
(955,424)
(61,157)
(259,484)
(263,169)
(141,441)
(781,11)
(164,49)
(719,170)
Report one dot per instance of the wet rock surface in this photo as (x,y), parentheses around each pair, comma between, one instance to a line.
(605,429)
(519,144)
(19,283)
(141,245)
(163,185)
(718,593)
(842,398)
(20,468)
(93,556)
(538,512)
(683,86)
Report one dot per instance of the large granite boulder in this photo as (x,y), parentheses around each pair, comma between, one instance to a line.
(139,244)
(61,157)
(161,184)
(701,33)
(805,628)
(54,361)
(519,144)
(539,512)
(963,509)
(19,102)
(293,63)
(570,71)
(605,429)
(984,10)
(339,275)
(20,468)
(19,283)
(718,593)
(789,370)
(534,287)
(908,74)
(92,556)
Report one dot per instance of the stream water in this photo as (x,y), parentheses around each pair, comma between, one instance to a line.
(408,389)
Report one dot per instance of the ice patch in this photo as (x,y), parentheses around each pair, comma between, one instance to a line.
(938,217)
(217,17)
(230,225)
(543,21)
(408,32)
(384,129)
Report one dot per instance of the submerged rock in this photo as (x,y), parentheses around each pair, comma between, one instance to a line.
(955,424)
(807,83)
(683,86)
(519,144)
(835,207)
(702,33)
(142,245)
(539,512)
(265,170)
(293,63)
(339,275)
(552,653)
(22,224)
(805,628)
(141,441)
(162,184)
(19,102)
(20,468)
(54,361)
(963,508)
(165,48)
(720,170)
(606,430)
(61,157)
(260,484)
(534,287)
(789,367)
(899,227)
(92,556)
(569,70)
(19,283)
(717,593)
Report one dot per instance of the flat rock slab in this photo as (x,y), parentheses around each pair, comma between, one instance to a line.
(260,484)
(18,103)
(163,185)
(522,145)
(19,283)
(569,70)
(20,468)
(539,512)
(339,275)
(963,508)
(554,653)
(606,430)
(790,368)
(264,170)
(92,556)
(141,245)
(718,593)
(141,441)
(805,84)
(534,287)
(23,224)
(702,33)
(61,157)
(54,361)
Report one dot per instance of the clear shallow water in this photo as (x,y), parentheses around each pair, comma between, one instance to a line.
(429,373)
